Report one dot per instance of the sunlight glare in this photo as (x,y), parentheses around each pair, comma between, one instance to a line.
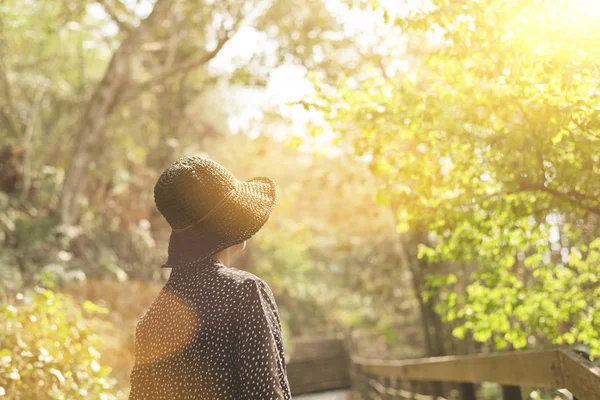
(590,8)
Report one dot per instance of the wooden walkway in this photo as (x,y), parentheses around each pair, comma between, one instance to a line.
(334,395)
(559,368)
(325,369)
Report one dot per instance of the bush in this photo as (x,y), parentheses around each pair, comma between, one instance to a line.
(48,350)
(127,302)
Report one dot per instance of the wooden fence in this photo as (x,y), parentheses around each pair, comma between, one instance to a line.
(455,376)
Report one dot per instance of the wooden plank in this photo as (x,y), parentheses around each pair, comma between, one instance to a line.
(317,375)
(309,348)
(318,387)
(315,369)
(333,395)
(579,376)
(539,369)
(308,370)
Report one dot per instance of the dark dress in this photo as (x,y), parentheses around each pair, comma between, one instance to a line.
(212,333)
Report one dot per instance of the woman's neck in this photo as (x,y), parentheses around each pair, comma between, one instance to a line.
(224,256)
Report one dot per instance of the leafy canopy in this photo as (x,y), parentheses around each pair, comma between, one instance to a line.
(491,143)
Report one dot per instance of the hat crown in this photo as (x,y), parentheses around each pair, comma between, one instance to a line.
(190,188)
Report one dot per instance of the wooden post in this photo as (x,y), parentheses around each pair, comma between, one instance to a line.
(414,388)
(438,389)
(511,393)
(467,391)
(354,379)
(424,387)
(364,385)
(373,389)
(386,382)
(394,385)
(406,387)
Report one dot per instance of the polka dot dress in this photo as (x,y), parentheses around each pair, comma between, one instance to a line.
(212,333)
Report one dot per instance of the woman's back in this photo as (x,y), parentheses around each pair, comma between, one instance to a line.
(212,333)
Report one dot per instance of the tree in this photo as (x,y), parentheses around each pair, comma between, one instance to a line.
(492,145)
(120,58)
(104,99)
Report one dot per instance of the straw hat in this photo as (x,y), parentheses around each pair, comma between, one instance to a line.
(208,209)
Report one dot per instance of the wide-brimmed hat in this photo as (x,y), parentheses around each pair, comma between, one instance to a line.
(208,209)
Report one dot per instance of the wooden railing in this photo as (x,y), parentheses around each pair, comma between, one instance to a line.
(318,365)
(453,377)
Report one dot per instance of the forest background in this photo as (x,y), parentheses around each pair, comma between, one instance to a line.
(437,164)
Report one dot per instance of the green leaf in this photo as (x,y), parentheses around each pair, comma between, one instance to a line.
(94,308)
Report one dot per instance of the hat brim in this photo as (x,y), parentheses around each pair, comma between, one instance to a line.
(236,219)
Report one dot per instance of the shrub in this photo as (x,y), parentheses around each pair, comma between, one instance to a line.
(127,302)
(48,349)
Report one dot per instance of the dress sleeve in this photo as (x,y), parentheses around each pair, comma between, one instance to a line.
(259,357)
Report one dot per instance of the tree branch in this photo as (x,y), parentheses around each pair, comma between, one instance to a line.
(33,121)
(572,196)
(33,64)
(581,200)
(183,67)
(12,116)
(106,96)
(112,13)
(584,129)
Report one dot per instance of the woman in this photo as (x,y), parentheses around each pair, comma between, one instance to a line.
(214,331)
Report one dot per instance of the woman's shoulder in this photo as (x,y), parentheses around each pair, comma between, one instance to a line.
(246,282)
(241,277)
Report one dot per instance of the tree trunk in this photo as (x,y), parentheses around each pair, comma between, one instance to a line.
(99,108)
(433,332)
(425,326)
(433,335)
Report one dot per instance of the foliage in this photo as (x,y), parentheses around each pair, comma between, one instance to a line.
(151,62)
(126,302)
(53,57)
(48,349)
(492,144)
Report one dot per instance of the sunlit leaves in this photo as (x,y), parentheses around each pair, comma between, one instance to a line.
(94,308)
(492,143)
(48,349)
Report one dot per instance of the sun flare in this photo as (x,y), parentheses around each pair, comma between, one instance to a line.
(590,8)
